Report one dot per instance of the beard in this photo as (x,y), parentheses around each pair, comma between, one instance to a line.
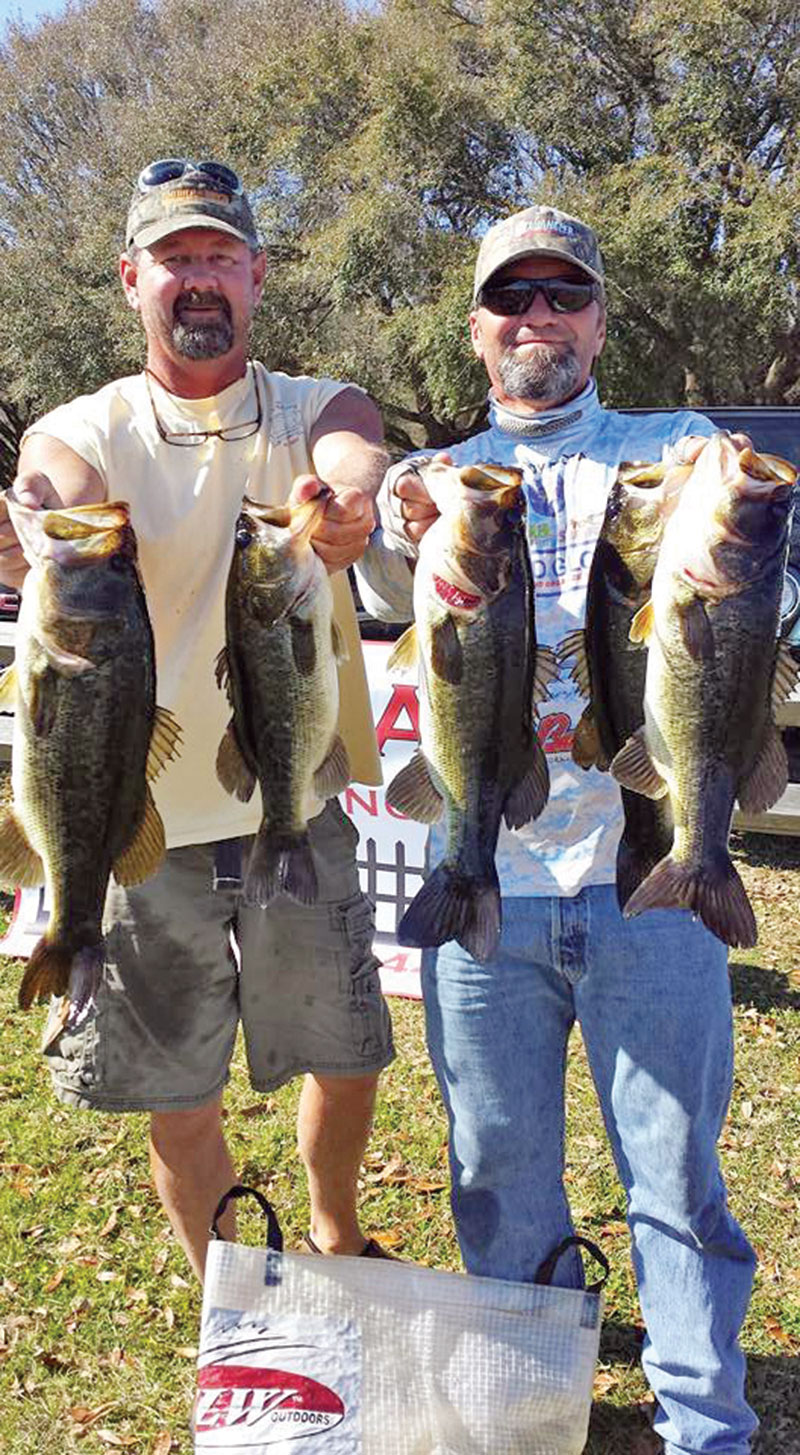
(199,338)
(545,373)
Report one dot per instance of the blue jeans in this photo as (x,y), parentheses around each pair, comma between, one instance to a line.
(653,1000)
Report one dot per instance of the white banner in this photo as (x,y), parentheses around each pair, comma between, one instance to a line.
(391,848)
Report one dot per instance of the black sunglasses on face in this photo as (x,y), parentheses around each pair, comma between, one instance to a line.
(515,295)
(169,169)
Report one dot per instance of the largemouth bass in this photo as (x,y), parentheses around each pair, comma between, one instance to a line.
(279,667)
(480,676)
(609,668)
(715,672)
(87,736)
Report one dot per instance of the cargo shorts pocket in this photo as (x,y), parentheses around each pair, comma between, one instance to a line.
(369,1016)
(71,1053)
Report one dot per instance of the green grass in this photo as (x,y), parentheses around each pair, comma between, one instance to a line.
(99,1318)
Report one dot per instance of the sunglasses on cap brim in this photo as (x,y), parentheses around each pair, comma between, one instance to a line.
(171,169)
(513,296)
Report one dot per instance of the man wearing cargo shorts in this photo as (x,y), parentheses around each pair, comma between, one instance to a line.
(182,442)
(651,994)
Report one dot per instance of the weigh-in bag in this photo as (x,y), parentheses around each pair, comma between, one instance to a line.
(305,1355)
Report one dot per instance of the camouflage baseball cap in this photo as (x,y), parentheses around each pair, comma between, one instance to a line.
(542,231)
(198,198)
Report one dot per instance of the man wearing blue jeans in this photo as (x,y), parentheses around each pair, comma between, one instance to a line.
(651,994)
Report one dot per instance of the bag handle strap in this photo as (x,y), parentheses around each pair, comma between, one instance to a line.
(546,1269)
(274,1234)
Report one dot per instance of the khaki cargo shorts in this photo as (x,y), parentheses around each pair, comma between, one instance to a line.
(160,1032)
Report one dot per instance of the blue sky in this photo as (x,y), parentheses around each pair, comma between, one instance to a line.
(30,10)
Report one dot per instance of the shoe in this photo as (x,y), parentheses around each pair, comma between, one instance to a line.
(371,1249)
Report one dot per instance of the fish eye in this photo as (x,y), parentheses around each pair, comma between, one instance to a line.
(244,533)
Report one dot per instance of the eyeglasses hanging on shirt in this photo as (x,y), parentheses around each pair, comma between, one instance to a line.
(228,434)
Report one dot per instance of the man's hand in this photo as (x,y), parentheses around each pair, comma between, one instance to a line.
(406,508)
(345,528)
(37,491)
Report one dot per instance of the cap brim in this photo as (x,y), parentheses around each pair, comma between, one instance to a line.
(562,256)
(165,226)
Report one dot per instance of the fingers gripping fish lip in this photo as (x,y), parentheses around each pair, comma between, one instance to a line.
(74,534)
(300,519)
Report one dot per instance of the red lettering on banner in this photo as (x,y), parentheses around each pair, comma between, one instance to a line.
(370,804)
(403,700)
(555,733)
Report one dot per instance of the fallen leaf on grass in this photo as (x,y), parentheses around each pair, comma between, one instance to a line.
(110,1224)
(55,1280)
(186,1351)
(52,1360)
(422,1184)
(163,1443)
(390,1237)
(614,1230)
(259,1108)
(82,1415)
(604,1380)
(776,1330)
(110,1437)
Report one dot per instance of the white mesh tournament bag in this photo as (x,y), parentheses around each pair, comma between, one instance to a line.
(304,1355)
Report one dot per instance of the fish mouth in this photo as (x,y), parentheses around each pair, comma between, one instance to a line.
(300,520)
(75,534)
(449,485)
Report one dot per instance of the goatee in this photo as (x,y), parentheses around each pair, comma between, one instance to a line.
(543,373)
(202,338)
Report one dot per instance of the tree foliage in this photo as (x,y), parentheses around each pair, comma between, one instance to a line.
(378,143)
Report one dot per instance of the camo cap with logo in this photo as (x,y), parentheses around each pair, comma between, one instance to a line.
(193,200)
(538,231)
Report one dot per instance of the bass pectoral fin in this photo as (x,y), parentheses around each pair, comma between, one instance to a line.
(304,645)
(20,865)
(8,688)
(165,742)
(338,645)
(587,750)
(222,672)
(333,773)
(528,797)
(786,676)
(62,661)
(145,852)
(403,660)
(546,671)
(232,770)
(696,631)
(634,768)
(413,792)
(768,777)
(573,648)
(447,655)
(643,624)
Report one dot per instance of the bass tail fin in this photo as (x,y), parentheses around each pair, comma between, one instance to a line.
(280,863)
(714,891)
(451,906)
(56,968)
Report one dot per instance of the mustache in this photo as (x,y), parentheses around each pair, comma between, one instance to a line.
(199,298)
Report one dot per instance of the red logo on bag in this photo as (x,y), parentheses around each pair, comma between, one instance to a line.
(262,1406)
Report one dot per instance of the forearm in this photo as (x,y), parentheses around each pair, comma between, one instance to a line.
(385,581)
(360,467)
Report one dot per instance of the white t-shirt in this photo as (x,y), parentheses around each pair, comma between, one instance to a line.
(568,468)
(184,502)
